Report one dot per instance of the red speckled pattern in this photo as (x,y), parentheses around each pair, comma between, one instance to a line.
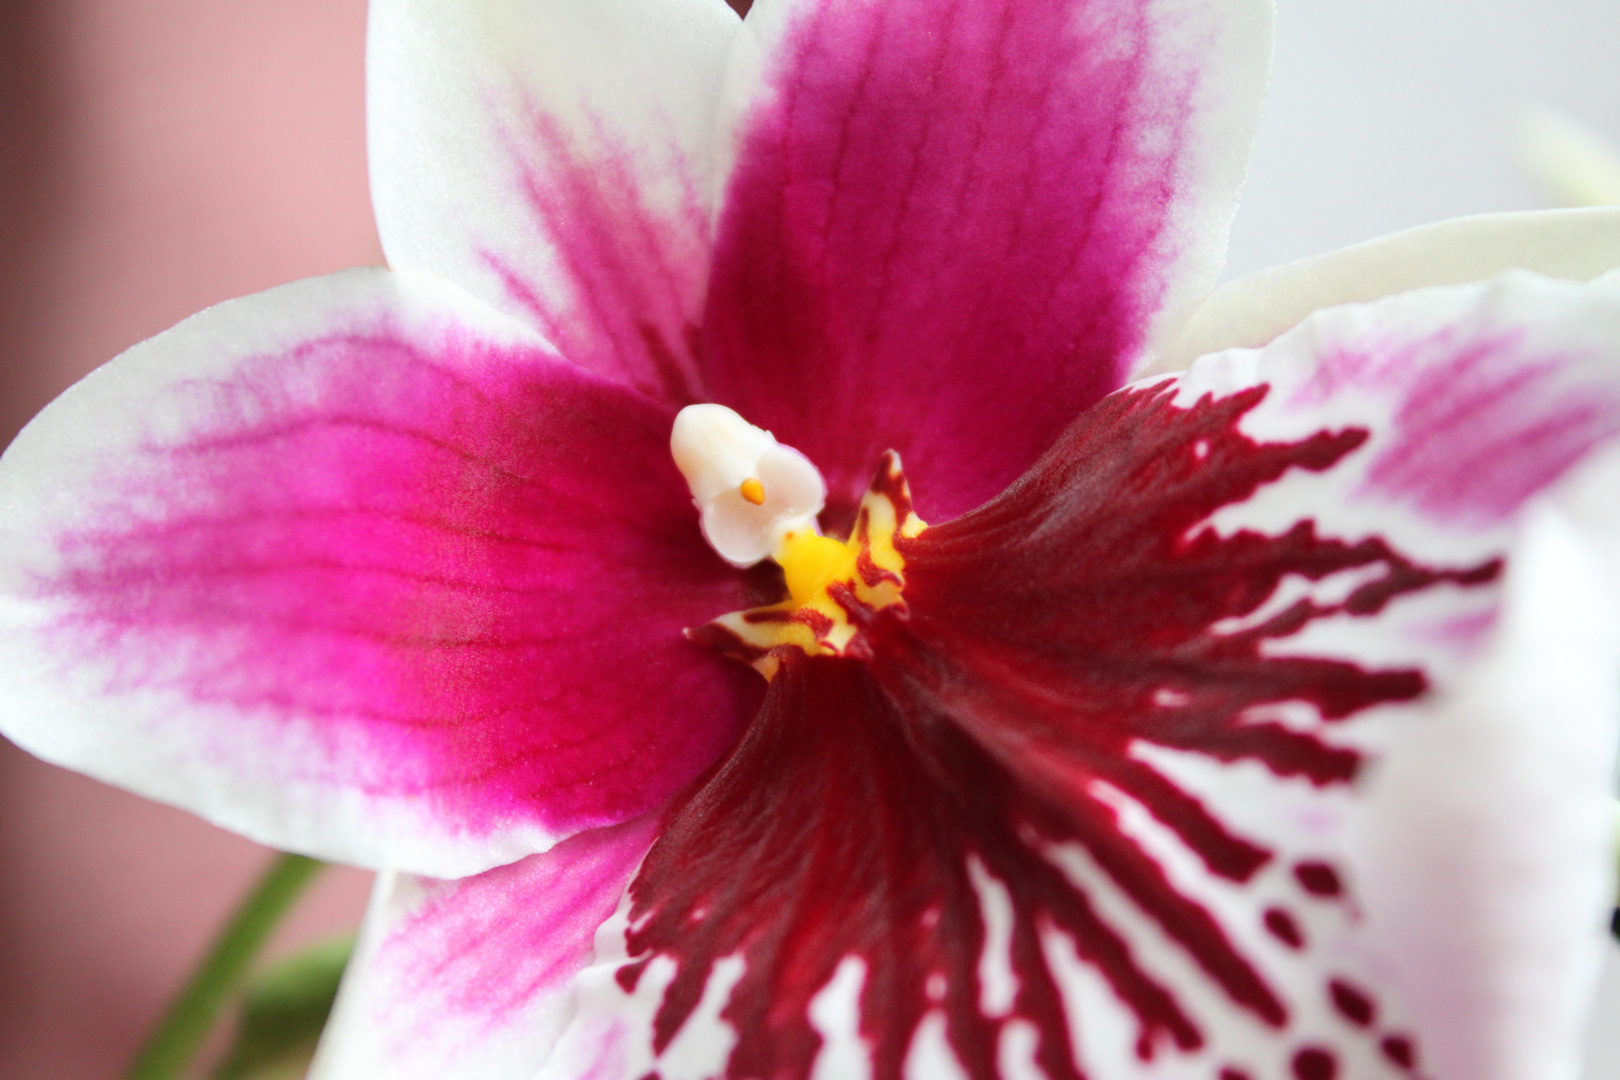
(1052,633)
(944,234)
(450,576)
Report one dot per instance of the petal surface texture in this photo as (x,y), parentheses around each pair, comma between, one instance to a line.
(1195,753)
(948,227)
(360,568)
(472,979)
(554,158)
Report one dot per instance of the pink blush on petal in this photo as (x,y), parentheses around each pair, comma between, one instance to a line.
(452,579)
(1485,419)
(480,949)
(634,274)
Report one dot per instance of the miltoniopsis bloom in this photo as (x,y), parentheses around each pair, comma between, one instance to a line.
(1249,722)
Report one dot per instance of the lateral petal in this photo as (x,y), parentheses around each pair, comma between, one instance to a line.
(554,158)
(948,227)
(473,979)
(360,568)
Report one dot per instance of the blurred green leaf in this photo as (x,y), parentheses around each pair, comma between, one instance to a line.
(283,1011)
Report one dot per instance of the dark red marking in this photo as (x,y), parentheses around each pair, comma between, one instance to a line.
(1400,1050)
(629,976)
(1233,1074)
(819,624)
(1354,1005)
(1284,928)
(871,573)
(725,642)
(1314,1063)
(1318,879)
(1045,629)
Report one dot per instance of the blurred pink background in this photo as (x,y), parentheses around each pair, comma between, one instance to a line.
(157,156)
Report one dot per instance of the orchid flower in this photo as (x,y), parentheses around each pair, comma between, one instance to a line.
(990,715)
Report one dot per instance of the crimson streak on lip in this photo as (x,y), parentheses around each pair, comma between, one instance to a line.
(1049,631)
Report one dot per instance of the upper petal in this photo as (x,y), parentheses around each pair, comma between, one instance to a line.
(360,568)
(949,226)
(554,158)
(1575,244)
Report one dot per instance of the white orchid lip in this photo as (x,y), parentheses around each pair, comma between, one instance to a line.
(749,489)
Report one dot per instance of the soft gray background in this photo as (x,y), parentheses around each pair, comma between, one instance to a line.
(1384,114)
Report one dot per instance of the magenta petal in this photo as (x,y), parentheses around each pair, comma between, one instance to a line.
(384,584)
(473,979)
(949,225)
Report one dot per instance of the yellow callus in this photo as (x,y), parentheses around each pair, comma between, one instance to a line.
(811,562)
(835,589)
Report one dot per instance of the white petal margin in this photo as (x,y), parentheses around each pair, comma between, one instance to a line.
(553,157)
(473,979)
(1479,848)
(1577,245)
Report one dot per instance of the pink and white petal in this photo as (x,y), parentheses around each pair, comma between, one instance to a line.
(948,227)
(360,568)
(473,979)
(555,159)
(1577,245)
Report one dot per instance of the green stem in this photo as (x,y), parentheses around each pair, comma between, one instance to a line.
(191,1016)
